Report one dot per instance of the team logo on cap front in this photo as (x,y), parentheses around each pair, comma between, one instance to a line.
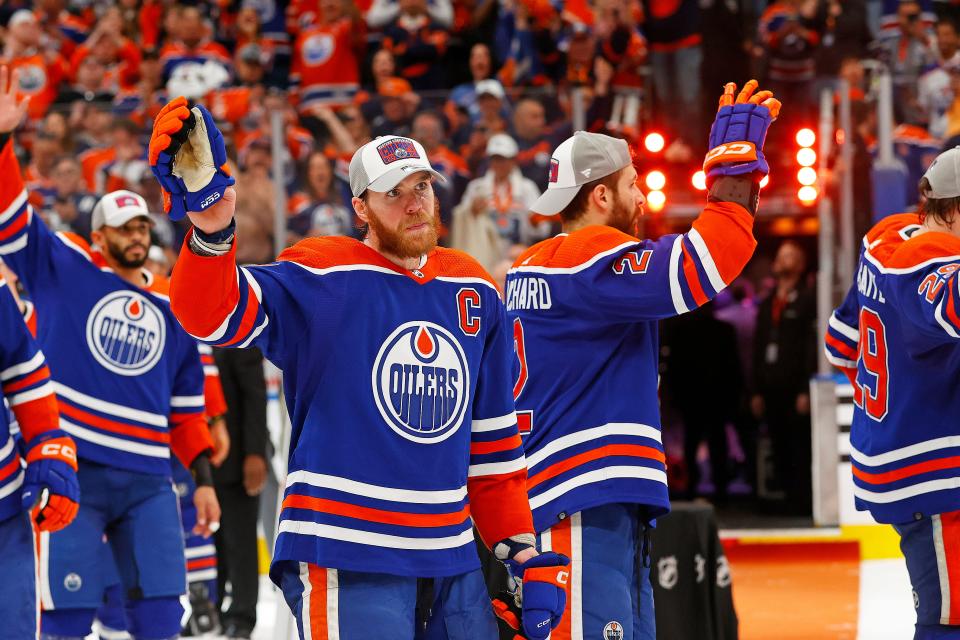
(421,382)
(396,149)
(125,200)
(554,169)
(126,333)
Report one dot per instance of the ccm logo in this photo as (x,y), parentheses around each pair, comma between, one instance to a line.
(737,151)
(51,449)
(209,200)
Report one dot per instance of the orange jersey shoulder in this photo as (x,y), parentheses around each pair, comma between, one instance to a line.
(453,263)
(574,249)
(887,236)
(331,251)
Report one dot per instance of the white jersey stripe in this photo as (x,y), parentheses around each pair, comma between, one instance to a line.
(497,468)
(199,552)
(465,280)
(346,267)
(597,475)
(7,248)
(117,410)
(305,625)
(186,401)
(7,448)
(706,260)
(305,528)
(573,439)
(219,332)
(673,270)
(333,605)
(14,206)
(843,329)
(73,245)
(154,451)
(839,362)
(927,446)
(201,575)
(942,572)
(46,595)
(576,577)
(46,389)
(32,364)
(938,314)
(324,481)
(12,485)
(494,424)
(255,333)
(886,497)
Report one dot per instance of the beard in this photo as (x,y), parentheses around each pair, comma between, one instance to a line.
(624,217)
(397,243)
(119,254)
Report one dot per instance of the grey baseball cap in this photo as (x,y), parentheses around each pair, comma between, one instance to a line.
(383,163)
(580,159)
(944,175)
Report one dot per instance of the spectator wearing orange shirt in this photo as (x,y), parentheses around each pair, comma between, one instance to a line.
(325,70)
(119,55)
(398,103)
(40,71)
(191,42)
(62,30)
(46,149)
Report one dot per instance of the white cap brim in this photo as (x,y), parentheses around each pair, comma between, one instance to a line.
(554,200)
(395,176)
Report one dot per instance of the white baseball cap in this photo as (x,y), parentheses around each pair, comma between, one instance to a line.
(500,144)
(581,158)
(117,208)
(21,16)
(384,162)
(491,86)
(943,174)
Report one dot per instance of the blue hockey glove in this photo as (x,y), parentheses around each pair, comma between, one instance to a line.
(739,131)
(540,600)
(50,487)
(189,158)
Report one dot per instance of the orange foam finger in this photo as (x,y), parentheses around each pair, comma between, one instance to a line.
(747,91)
(774,105)
(760,97)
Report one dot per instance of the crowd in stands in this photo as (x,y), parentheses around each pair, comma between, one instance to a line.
(489,87)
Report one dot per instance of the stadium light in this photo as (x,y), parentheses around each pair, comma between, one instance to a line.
(765,181)
(807,195)
(806,137)
(699,181)
(806,157)
(807,176)
(655,180)
(654,142)
(656,200)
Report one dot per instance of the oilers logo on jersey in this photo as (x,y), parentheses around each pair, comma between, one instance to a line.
(421,382)
(126,333)
(613,631)
(318,48)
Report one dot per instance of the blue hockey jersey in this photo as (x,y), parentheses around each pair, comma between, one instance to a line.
(584,309)
(25,379)
(897,336)
(128,379)
(397,386)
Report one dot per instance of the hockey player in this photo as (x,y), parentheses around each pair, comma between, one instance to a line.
(130,388)
(396,360)
(45,496)
(897,337)
(584,308)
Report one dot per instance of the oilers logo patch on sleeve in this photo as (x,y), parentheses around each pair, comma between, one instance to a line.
(126,333)
(421,382)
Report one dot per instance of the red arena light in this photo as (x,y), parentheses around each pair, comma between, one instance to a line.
(699,181)
(655,180)
(807,195)
(654,142)
(656,200)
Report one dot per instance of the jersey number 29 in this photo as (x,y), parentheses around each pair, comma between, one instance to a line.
(874,386)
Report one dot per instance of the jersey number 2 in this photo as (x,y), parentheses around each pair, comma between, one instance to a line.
(873,355)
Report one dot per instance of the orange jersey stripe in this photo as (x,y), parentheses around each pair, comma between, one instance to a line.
(37,416)
(36,376)
(693,278)
(504,444)
(334,507)
(115,427)
(201,563)
(15,228)
(635,450)
(906,472)
(318,602)
(249,317)
(10,468)
(844,349)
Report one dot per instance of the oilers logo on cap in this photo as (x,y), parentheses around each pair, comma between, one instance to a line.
(126,333)
(554,170)
(397,149)
(421,382)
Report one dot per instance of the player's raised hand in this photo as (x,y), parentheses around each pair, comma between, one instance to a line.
(12,107)
(739,131)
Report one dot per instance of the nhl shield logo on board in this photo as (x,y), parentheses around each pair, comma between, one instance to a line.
(421,382)
(126,333)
